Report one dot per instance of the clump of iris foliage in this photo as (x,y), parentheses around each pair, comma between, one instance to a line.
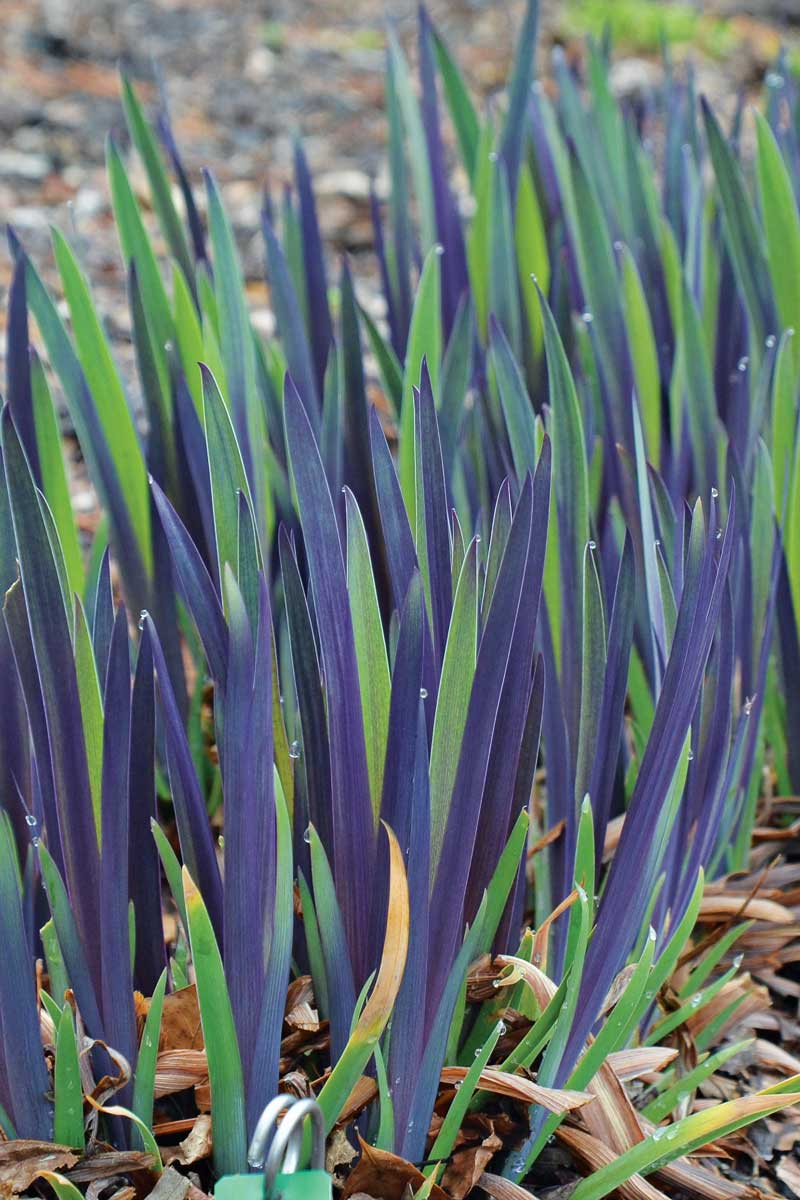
(562,530)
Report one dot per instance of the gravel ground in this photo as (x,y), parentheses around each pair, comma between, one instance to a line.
(242,78)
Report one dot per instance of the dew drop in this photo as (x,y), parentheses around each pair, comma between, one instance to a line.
(30,819)
(718,534)
(496,983)
(493,156)
(770,342)
(695,1000)
(774,79)
(657,544)
(747,707)
(742,363)
(587,317)
(690,755)
(658,1134)
(714,494)
(592,545)
(35,842)
(501,1028)
(143,615)
(423,693)
(439,249)
(517,1163)
(477,1052)
(737,962)
(307,835)
(294,750)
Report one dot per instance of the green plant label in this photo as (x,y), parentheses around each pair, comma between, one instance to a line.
(300,1185)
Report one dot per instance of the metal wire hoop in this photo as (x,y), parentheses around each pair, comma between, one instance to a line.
(284,1153)
(265,1128)
(282,1144)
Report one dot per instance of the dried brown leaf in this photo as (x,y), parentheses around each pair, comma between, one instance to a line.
(385,1175)
(468,1164)
(180,1021)
(502,1189)
(592,1153)
(517,1087)
(641,1060)
(789,1174)
(756,908)
(177,1070)
(769,1055)
(612,1118)
(304,1017)
(339,1154)
(193,1148)
(109,1163)
(540,984)
(22,1160)
(695,1180)
(364,1092)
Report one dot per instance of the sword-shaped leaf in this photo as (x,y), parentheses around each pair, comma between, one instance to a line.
(219,1034)
(353,828)
(50,635)
(373,664)
(107,393)
(22,1056)
(375,1015)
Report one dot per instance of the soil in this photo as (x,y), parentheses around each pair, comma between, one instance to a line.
(242,78)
